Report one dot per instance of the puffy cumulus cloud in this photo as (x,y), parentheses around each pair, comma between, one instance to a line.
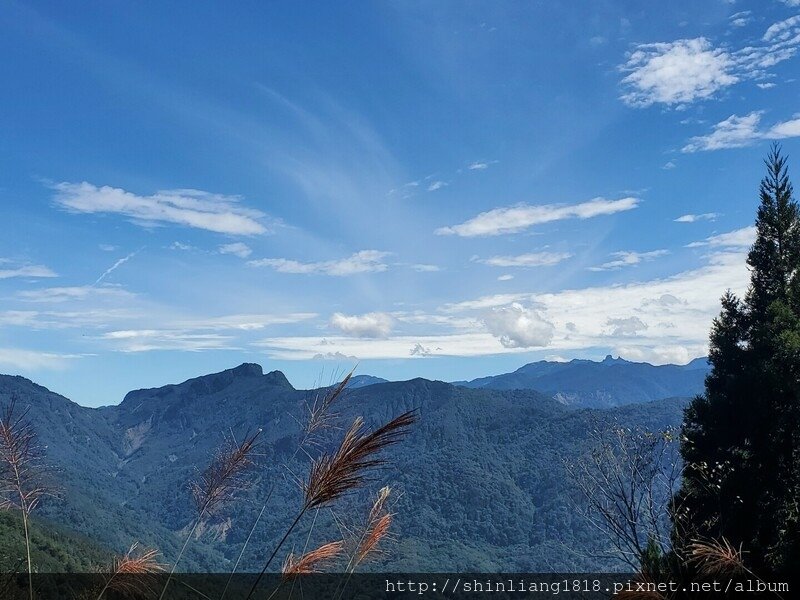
(534,259)
(676,72)
(677,310)
(236,248)
(519,327)
(626,326)
(420,350)
(628,259)
(189,208)
(513,219)
(369,325)
(365,261)
(683,71)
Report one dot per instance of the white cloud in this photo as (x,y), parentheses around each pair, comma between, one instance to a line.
(437,185)
(146,340)
(519,327)
(64,294)
(669,165)
(365,261)
(369,325)
(683,71)
(691,218)
(423,268)
(676,72)
(115,266)
(190,208)
(420,350)
(34,271)
(536,259)
(626,326)
(461,344)
(737,132)
(678,310)
(237,249)
(32,360)
(107,247)
(181,246)
(739,238)
(766,86)
(733,132)
(786,129)
(791,2)
(628,259)
(783,30)
(514,219)
(505,277)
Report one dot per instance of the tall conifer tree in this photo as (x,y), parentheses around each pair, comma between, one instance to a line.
(741,441)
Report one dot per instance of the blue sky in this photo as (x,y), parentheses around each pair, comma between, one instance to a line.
(437,189)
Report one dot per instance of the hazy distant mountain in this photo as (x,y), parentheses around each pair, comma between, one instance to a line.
(357,381)
(612,382)
(481,480)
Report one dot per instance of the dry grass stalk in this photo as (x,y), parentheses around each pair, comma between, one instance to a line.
(312,561)
(716,557)
(20,471)
(131,574)
(223,477)
(320,416)
(370,543)
(217,485)
(333,475)
(377,527)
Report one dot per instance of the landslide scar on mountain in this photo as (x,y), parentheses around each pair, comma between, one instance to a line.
(135,436)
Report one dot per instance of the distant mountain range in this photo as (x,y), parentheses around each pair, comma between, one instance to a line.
(612,382)
(481,479)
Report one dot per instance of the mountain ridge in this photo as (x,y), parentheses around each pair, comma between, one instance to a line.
(482,470)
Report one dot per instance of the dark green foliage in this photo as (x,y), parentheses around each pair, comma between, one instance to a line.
(53,547)
(741,439)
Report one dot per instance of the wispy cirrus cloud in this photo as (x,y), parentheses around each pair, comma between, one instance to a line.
(683,71)
(514,219)
(628,259)
(365,261)
(533,259)
(145,340)
(188,208)
(33,271)
(34,360)
(738,132)
(692,218)
(74,293)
